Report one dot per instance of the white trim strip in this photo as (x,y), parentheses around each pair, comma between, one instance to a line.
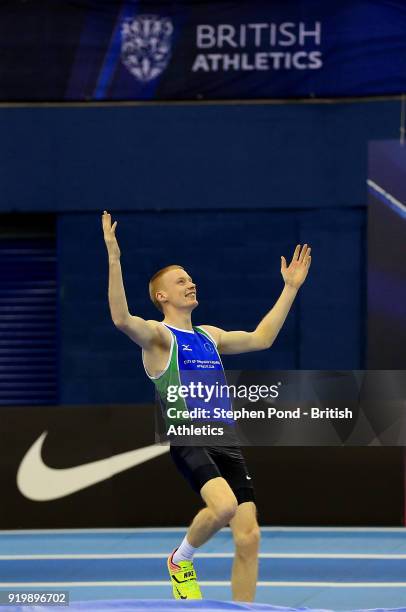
(118,530)
(382,530)
(336,529)
(201,327)
(227,555)
(208,583)
(387,195)
(187,331)
(87,531)
(167,363)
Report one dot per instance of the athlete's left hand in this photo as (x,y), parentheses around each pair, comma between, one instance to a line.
(295,273)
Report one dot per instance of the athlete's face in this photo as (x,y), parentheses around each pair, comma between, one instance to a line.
(178,289)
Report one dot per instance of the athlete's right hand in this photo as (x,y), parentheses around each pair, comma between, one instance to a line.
(109,232)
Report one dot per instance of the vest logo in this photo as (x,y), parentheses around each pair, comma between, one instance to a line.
(186,347)
(208,347)
(146,43)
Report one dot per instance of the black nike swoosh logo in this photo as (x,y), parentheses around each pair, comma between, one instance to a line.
(181,596)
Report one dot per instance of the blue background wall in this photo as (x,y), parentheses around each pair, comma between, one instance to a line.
(234,257)
(189,156)
(272,175)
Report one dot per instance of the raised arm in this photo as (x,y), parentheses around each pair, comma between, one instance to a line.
(294,275)
(144,333)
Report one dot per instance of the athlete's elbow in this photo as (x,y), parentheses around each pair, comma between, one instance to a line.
(120,322)
(262,342)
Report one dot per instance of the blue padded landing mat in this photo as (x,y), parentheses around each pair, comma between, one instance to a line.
(164,605)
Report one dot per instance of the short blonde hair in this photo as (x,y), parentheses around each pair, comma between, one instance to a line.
(153,283)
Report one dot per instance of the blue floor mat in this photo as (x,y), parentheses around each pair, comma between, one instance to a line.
(163,605)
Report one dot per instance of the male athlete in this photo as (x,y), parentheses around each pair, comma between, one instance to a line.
(219,474)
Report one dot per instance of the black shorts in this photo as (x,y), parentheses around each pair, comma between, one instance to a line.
(198,464)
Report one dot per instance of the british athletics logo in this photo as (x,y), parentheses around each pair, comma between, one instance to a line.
(146,46)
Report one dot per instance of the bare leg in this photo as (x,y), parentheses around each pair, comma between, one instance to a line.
(246,538)
(221,505)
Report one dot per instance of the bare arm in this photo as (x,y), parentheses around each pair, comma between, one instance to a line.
(144,333)
(294,275)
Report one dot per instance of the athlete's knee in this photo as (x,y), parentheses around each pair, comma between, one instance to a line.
(247,540)
(225,510)
(221,500)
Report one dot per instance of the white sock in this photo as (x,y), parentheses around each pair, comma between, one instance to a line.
(185,552)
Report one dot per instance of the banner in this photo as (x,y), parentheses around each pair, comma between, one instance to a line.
(202,50)
(98,466)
